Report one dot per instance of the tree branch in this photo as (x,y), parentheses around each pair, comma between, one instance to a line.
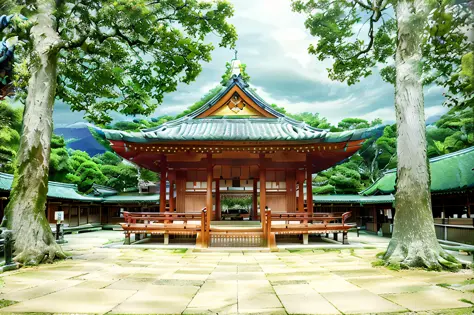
(371,39)
(365,6)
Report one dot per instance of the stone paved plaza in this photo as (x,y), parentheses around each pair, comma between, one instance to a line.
(103,279)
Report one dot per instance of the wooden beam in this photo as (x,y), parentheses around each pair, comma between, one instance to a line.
(181,191)
(468,203)
(171,196)
(255,199)
(300,177)
(100,214)
(263,191)
(218,200)
(209,189)
(290,178)
(309,184)
(163,183)
(249,162)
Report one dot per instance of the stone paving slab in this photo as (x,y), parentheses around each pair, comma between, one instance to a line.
(157,300)
(134,281)
(434,298)
(307,303)
(40,290)
(361,302)
(390,285)
(73,300)
(249,302)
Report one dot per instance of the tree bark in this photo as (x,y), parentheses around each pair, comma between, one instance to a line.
(25,213)
(414,242)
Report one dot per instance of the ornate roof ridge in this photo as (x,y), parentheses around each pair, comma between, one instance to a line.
(233,81)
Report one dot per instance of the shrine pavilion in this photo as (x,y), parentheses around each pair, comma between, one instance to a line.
(236,143)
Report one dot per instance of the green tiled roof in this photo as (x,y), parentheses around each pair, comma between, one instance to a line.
(262,129)
(55,189)
(449,172)
(69,191)
(191,128)
(100,190)
(353,199)
(155,198)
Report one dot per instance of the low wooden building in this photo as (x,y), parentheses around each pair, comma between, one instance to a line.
(103,207)
(371,213)
(452,194)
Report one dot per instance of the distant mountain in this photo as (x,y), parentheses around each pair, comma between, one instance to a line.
(79,137)
(432,119)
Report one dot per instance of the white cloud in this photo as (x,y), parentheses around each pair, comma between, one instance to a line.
(435,110)
(336,109)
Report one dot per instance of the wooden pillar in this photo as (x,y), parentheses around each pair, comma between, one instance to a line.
(172,206)
(78,215)
(218,200)
(263,189)
(181,191)
(163,183)
(290,190)
(100,214)
(309,184)
(255,199)
(300,177)
(375,219)
(88,213)
(209,189)
(468,205)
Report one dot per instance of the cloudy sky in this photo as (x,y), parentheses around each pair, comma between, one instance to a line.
(273,43)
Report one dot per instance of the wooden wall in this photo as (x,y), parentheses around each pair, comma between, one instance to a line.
(195,201)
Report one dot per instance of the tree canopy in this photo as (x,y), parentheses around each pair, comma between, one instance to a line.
(361,35)
(125,55)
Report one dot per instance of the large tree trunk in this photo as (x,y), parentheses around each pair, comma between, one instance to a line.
(414,242)
(25,213)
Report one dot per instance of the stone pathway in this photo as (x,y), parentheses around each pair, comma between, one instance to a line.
(102,280)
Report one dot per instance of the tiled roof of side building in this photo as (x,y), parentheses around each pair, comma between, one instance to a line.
(69,191)
(55,189)
(381,199)
(132,198)
(449,172)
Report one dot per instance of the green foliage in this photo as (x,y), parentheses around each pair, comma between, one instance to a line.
(353,123)
(59,165)
(108,158)
(448,58)
(148,176)
(102,169)
(228,202)
(139,124)
(201,102)
(124,55)
(228,73)
(325,190)
(85,172)
(312,119)
(360,35)
(10,130)
(120,176)
(452,132)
